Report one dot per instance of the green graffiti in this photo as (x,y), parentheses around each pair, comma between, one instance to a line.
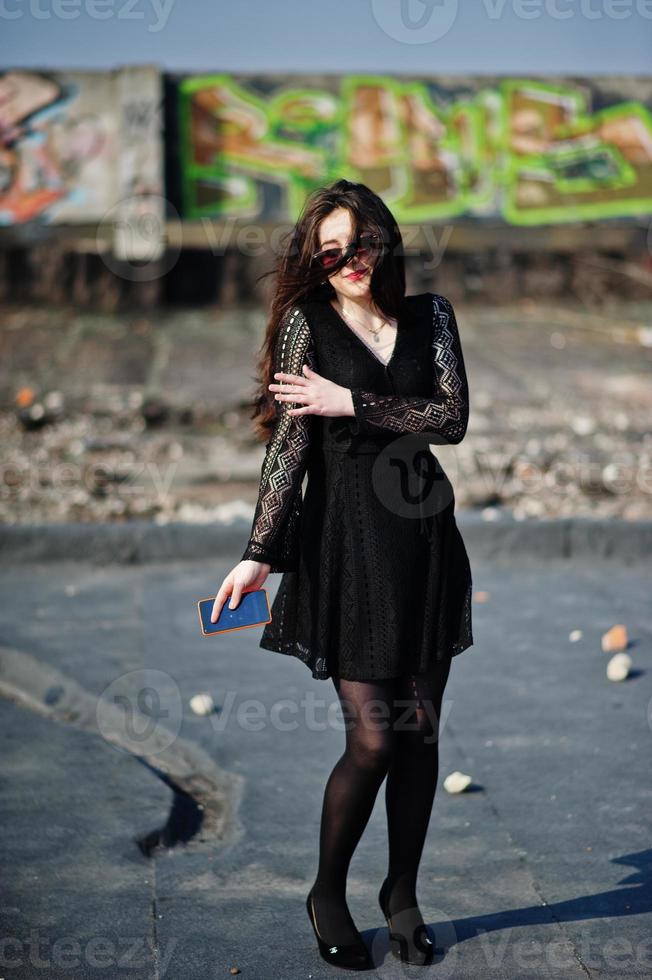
(522,150)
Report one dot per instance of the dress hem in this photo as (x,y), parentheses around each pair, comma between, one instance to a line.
(458,647)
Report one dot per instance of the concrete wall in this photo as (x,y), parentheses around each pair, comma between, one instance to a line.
(80,147)
(134,186)
(523,151)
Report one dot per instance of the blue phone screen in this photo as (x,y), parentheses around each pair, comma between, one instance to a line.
(251,610)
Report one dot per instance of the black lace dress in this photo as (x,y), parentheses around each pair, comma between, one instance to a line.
(376,579)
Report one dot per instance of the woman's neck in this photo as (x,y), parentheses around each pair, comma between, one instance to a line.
(361,310)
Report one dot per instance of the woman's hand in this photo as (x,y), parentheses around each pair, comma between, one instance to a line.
(245,577)
(318,395)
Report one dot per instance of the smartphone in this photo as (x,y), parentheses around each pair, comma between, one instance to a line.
(252,610)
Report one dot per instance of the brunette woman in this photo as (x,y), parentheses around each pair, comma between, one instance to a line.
(358,382)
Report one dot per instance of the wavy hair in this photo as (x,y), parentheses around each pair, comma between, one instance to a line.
(299,279)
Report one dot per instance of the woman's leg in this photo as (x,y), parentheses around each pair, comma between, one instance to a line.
(411,784)
(349,798)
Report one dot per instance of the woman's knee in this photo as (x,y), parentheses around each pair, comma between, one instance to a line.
(376,758)
(367,712)
(372,747)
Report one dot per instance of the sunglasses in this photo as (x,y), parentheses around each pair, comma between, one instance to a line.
(366,246)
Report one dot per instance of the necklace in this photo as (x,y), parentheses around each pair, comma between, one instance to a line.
(370,330)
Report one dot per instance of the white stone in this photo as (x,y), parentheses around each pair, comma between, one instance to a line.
(456,782)
(202,704)
(619,667)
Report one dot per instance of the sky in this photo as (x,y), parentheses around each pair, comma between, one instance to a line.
(411,37)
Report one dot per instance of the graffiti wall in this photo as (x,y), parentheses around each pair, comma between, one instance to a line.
(80,146)
(524,151)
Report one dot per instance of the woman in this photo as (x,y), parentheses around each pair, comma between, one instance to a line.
(376,585)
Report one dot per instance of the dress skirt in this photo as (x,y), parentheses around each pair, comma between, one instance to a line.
(377,594)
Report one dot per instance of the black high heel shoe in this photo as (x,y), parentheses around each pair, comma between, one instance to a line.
(353,956)
(417,948)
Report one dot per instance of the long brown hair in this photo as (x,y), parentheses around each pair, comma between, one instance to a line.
(298,278)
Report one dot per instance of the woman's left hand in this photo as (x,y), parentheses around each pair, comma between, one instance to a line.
(318,395)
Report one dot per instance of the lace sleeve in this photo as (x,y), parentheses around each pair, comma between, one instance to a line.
(446,412)
(275,530)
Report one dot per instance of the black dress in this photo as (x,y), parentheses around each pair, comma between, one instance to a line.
(376,578)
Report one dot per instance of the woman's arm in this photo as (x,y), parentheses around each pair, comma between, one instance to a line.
(446,411)
(275,528)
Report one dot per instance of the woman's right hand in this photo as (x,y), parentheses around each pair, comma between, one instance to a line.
(245,577)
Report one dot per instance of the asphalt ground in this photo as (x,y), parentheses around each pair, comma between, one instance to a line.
(142,840)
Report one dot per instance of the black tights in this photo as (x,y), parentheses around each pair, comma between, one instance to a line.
(392,729)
